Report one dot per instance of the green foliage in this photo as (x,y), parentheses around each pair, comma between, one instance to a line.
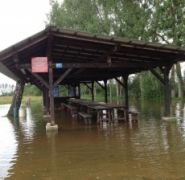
(31,90)
(151,88)
(134,87)
(152,20)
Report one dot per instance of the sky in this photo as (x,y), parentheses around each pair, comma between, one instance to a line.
(20,19)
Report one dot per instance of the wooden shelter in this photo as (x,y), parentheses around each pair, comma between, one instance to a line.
(86,58)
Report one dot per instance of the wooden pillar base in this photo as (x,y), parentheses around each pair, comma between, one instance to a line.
(50,127)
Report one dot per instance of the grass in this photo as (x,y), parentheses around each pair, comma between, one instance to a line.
(8,99)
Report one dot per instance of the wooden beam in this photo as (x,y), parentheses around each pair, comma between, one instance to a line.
(87,86)
(38,77)
(121,83)
(78,71)
(25,45)
(62,76)
(106,65)
(157,75)
(5,70)
(101,85)
(98,65)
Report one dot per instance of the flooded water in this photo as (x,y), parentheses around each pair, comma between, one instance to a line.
(149,149)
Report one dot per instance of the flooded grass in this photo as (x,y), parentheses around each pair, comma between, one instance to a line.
(8,99)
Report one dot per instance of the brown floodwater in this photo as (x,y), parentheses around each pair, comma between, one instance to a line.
(149,149)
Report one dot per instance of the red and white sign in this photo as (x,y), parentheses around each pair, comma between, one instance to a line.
(39,64)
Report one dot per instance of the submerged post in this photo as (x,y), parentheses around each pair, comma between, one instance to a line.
(79,91)
(46,100)
(106,94)
(92,90)
(17,99)
(125,77)
(52,106)
(167,91)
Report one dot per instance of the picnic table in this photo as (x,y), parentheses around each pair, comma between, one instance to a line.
(104,111)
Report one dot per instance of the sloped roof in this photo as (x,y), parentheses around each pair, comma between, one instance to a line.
(92,57)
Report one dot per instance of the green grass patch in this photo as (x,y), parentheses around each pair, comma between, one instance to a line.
(8,99)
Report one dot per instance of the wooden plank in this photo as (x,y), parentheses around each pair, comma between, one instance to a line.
(62,77)
(121,83)
(38,77)
(103,87)
(157,75)
(87,86)
(85,115)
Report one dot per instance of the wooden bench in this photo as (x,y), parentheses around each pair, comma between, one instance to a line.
(71,109)
(63,106)
(133,115)
(85,116)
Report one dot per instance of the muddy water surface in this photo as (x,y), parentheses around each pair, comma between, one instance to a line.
(149,149)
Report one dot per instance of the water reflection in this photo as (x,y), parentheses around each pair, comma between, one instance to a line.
(147,149)
(8,144)
(27,124)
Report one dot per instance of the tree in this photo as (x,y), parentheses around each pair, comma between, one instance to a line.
(169,23)
(152,20)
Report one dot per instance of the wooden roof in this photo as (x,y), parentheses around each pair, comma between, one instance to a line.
(91,57)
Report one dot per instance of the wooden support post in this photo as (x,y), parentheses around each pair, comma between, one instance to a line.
(39,78)
(79,91)
(167,91)
(52,105)
(125,77)
(100,85)
(62,77)
(17,99)
(46,100)
(121,83)
(106,94)
(92,90)
(87,85)
(157,75)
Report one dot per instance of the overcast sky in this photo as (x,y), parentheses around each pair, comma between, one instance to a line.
(20,19)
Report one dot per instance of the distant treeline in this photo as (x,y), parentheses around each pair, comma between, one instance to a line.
(6,89)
